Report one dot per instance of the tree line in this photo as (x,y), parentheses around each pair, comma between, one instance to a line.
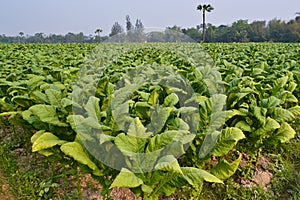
(240,31)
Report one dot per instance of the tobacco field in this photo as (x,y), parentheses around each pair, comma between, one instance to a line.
(161,119)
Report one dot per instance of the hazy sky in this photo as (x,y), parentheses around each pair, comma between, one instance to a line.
(63,16)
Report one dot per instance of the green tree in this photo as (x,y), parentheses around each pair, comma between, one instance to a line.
(258,31)
(98,31)
(139,25)
(116,29)
(21,34)
(129,25)
(204,8)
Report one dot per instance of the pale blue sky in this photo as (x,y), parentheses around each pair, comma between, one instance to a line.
(63,16)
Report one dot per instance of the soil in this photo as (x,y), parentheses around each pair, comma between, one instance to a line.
(5,193)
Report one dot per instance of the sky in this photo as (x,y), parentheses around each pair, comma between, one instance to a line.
(63,16)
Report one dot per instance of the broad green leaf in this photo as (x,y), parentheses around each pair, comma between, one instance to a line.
(260,114)
(74,121)
(147,189)
(130,145)
(153,98)
(159,116)
(231,113)
(46,152)
(137,129)
(92,108)
(224,170)
(65,102)
(75,151)
(227,140)
(195,176)
(208,144)
(160,141)
(282,115)
(244,126)
(217,119)
(37,135)
(126,179)
(168,163)
(284,133)
(47,114)
(295,110)
(45,141)
(171,100)
(54,97)
(271,102)
(279,85)
(40,97)
(22,101)
(270,125)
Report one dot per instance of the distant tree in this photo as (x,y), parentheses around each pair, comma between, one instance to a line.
(258,31)
(239,31)
(211,33)
(21,34)
(276,30)
(116,29)
(139,25)
(98,31)
(193,33)
(204,8)
(129,25)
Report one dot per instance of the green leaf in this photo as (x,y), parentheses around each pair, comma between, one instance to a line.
(195,176)
(282,115)
(147,189)
(54,97)
(279,85)
(137,129)
(284,133)
(295,110)
(208,144)
(158,142)
(37,135)
(227,140)
(75,151)
(22,101)
(171,100)
(154,98)
(126,179)
(224,170)
(168,163)
(271,102)
(92,108)
(231,113)
(130,145)
(244,126)
(45,141)
(270,126)
(40,96)
(260,114)
(47,114)
(74,121)
(159,116)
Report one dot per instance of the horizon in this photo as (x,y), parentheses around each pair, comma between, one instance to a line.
(56,17)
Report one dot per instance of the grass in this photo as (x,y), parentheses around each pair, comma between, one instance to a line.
(285,184)
(30,176)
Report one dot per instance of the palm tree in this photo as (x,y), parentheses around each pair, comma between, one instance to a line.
(21,36)
(204,8)
(98,31)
